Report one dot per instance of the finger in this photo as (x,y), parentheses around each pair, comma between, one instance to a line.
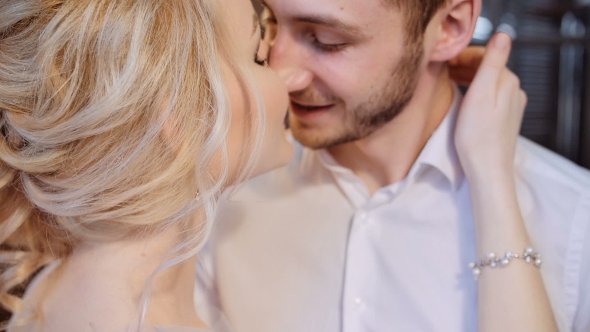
(495,60)
(506,95)
(509,83)
(498,51)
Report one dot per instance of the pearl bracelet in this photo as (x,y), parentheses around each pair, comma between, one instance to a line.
(529,255)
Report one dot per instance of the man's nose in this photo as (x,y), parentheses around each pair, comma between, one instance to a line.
(288,59)
(294,78)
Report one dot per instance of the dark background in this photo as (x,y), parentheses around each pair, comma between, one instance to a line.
(551,58)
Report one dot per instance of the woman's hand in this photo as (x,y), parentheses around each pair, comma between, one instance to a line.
(514,298)
(491,114)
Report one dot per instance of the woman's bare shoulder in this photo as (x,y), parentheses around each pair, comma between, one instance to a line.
(58,300)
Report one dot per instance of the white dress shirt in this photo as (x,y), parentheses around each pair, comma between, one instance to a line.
(307,249)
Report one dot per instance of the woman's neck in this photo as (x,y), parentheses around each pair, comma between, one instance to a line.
(108,280)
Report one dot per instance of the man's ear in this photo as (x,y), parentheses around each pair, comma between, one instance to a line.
(456,24)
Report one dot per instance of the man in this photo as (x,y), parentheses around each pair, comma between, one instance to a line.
(370,227)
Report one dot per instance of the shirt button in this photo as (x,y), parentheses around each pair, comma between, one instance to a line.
(363,217)
(358,302)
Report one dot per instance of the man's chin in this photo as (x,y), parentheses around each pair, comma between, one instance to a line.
(319,138)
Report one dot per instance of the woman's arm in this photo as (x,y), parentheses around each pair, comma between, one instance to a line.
(511,298)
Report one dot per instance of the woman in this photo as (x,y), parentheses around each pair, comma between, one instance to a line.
(121,123)
(117,136)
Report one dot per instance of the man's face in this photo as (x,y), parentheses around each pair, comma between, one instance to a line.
(353,68)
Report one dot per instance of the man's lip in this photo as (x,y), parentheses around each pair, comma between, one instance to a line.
(311,107)
(312,115)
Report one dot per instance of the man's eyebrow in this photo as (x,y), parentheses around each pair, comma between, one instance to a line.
(328,21)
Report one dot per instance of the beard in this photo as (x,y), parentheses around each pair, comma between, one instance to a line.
(376,110)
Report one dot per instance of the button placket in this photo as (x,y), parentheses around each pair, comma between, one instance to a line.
(355,302)
(363,217)
(358,303)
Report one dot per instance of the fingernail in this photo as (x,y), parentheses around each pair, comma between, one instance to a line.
(507,29)
(502,41)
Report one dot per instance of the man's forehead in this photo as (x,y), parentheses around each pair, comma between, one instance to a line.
(315,6)
(347,15)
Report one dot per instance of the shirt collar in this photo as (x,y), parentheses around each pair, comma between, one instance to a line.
(439,153)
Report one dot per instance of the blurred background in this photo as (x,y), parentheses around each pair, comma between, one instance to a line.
(552,60)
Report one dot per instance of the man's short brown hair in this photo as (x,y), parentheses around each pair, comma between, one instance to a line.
(418,14)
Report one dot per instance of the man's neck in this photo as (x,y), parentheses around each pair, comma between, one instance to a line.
(387,156)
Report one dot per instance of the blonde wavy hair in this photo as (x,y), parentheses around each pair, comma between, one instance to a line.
(86,89)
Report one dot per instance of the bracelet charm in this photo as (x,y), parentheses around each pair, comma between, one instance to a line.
(529,256)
